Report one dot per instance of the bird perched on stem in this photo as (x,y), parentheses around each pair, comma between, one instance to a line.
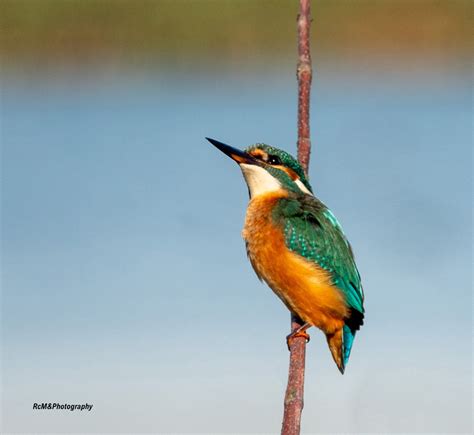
(297,246)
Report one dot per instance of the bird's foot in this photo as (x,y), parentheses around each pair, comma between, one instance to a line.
(300,332)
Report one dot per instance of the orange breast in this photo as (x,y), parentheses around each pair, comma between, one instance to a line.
(303,286)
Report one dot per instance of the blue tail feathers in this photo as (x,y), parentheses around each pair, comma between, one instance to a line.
(347,341)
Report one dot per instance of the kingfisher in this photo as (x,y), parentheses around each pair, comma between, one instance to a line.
(297,246)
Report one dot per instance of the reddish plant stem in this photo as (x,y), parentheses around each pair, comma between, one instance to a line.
(304,74)
(295,388)
(294,396)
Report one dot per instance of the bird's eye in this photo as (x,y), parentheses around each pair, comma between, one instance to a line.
(274,160)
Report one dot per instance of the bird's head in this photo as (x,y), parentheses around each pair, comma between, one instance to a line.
(267,169)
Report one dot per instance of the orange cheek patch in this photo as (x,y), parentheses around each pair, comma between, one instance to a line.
(292,174)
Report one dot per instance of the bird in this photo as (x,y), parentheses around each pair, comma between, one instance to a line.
(298,248)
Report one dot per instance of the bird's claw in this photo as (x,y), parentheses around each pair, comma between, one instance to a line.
(297,334)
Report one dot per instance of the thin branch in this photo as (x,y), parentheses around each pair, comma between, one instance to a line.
(304,74)
(295,388)
(294,396)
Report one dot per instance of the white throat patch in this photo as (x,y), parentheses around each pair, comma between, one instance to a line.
(259,180)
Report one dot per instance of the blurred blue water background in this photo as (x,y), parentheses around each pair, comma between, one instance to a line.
(125,279)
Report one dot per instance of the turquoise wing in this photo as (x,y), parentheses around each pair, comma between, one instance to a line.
(312,231)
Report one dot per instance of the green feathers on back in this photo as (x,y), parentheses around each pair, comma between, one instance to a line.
(312,231)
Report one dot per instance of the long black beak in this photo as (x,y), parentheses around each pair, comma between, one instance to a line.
(234,153)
